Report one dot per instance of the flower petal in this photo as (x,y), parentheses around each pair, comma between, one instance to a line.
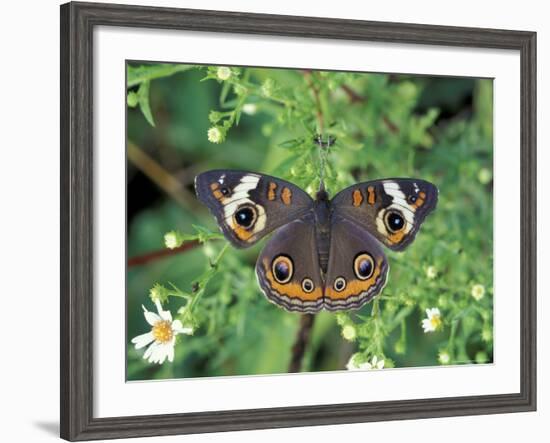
(162,353)
(178,328)
(165,315)
(150,351)
(433,312)
(154,357)
(143,340)
(151,317)
(427,325)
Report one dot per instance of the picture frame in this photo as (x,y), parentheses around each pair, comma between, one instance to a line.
(78,22)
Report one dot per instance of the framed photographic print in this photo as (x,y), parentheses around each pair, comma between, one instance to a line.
(292,221)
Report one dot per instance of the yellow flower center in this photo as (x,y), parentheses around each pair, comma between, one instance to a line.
(162,331)
(435,321)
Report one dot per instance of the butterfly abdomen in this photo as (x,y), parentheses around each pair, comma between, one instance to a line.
(323,246)
(322,231)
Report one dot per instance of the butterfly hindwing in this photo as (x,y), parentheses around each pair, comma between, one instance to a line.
(247,205)
(391,209)
(288,267)
(357,267)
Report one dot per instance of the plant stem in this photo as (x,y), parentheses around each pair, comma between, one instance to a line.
(137,76)
(318,106)
(451,349)
(161,253)
(354,97)
(160,176)
(206,277)
(301,342)
(189,242)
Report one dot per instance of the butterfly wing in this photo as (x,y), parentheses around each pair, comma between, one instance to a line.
(288,267)
(391,209)
(247,205)
(357,268)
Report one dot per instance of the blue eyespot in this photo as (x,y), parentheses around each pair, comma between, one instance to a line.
(283,269)
(363,266)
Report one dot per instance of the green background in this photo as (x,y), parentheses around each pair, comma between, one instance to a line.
(434,128)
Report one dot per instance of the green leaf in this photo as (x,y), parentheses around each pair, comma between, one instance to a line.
(225,91)
(204,234)
(143,99)
(291,144)
(215,116)
(136,75)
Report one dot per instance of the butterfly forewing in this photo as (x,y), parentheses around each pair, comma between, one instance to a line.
(248,206)
(390,209)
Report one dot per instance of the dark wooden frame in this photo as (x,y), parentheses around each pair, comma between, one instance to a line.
(77,24)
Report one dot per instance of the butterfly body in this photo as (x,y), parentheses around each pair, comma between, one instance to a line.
(322,214)
(324,253)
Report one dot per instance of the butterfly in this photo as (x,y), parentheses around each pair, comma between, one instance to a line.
(325,253)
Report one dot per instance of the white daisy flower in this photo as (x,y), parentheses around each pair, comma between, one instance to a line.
(444,357)
(433,321)
(215,135)
(223,73)
(250,108)
(161,337)
(373,364)
(431,272)
(478,291)
(172,239)
(349,332)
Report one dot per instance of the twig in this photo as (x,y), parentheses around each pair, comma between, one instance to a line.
(354,97)
(161,253)
(318,107)
(301,342)
(158,175)
(390,125)
(206,277)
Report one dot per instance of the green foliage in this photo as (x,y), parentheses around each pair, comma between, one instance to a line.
(265,120)
(141,76)
(138,74)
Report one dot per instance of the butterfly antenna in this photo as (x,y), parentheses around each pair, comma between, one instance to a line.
(322,186)
(324,146)
(321,193)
